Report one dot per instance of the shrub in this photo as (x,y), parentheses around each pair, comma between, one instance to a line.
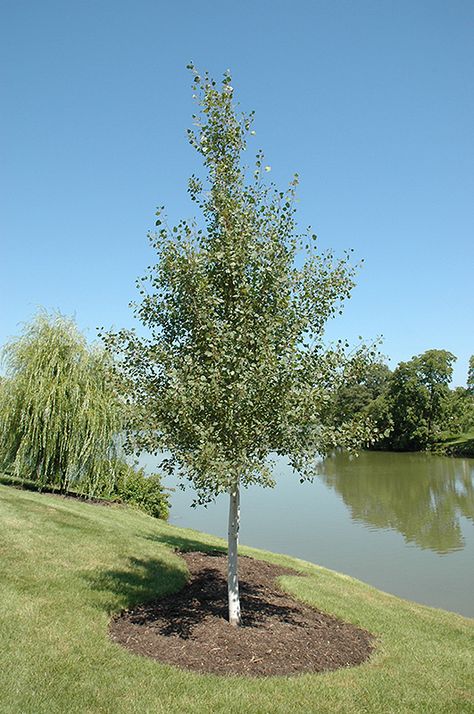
(134,487)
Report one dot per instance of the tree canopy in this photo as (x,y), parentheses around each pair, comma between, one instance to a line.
(413,406)
(235,367)
(59,411)
(470,375)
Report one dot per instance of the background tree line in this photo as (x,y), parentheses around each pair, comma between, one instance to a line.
(412,406)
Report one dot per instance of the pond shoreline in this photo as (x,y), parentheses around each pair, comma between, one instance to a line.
(402,521)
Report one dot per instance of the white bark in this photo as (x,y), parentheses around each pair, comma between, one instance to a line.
(233,539)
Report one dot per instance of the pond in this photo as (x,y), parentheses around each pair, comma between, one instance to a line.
(402,522)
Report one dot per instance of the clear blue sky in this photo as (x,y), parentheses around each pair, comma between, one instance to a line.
(371,102)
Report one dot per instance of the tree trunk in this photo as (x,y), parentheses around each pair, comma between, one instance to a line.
(233,539)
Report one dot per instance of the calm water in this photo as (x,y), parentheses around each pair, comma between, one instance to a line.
(402,522)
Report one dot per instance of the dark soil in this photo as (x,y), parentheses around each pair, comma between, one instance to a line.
(278,635)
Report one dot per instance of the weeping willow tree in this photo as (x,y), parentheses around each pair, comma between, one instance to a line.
(235,367)
(59,412)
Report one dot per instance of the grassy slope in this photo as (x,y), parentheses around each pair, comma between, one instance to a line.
(460,445)
(456,444)
(67,565)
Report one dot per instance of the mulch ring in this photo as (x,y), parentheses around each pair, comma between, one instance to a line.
(278,636)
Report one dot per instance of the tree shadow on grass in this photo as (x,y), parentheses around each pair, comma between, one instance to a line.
(186,544)
(142,581)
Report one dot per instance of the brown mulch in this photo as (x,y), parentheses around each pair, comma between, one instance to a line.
(278,636)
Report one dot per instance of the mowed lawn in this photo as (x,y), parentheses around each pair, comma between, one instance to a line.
(66,566)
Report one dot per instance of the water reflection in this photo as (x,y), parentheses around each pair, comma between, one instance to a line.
(419,495)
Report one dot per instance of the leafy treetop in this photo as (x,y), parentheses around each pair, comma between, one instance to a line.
(235,366)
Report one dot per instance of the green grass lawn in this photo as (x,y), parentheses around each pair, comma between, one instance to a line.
(66,566)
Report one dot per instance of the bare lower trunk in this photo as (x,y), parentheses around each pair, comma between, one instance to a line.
(233,539)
